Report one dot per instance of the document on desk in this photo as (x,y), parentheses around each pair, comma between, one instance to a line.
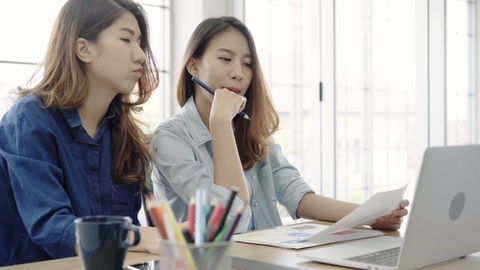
(305,235)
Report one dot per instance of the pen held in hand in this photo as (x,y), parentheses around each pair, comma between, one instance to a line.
(210,90)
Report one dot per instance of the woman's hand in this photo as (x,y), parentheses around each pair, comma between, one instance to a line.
(227,104)
(148,240)
(393,221)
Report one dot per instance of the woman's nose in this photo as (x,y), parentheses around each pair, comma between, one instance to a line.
(139,55)
(237,72)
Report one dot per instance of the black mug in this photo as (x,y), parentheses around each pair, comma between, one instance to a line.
(102,241)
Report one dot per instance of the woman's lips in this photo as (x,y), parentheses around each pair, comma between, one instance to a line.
(234,89)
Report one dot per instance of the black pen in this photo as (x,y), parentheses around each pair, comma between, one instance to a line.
(204,86)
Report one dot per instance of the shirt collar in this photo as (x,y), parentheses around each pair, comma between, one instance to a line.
(73,118)
(194,123)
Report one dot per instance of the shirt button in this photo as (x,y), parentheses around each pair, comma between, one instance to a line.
(95,185)
(256,204)
(253,177)
(95,147)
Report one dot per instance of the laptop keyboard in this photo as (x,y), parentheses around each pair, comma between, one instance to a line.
(387,257)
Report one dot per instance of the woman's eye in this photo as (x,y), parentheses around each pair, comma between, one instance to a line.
(249,65)
(226,59)
(125,40)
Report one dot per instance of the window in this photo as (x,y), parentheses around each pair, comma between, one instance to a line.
(25,44)
(286,46)
(397,76)
(372,97)
(375,96)
(461,70)
(286,36)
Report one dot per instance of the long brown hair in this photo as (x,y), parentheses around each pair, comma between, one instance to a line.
(252,137)
(64,83)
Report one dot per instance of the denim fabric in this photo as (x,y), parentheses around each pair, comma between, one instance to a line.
(52,171)
(183,162)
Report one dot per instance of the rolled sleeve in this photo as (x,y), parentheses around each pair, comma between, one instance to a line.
(290,186)
(223,194)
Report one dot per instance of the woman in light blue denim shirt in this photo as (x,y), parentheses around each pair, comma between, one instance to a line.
(206,145)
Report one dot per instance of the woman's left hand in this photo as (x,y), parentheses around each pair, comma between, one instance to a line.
(393,221)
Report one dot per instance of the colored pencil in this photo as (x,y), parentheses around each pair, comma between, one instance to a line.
(214,222)
(155,212)
(231,230)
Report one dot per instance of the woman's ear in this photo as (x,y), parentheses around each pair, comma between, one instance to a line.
(83,50)
(192,67)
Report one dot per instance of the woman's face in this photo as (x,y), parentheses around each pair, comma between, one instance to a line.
(117,58)
(225,63)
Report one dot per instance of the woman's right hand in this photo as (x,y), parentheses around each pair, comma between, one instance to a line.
(226,104)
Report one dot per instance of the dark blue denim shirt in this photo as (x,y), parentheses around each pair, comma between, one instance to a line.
(52,171)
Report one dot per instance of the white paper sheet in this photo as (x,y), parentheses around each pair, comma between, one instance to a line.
(380,204)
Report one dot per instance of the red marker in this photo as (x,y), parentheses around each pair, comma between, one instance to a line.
(191,215)
(214,221)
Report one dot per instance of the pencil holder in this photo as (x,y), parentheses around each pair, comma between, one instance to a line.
(209,256)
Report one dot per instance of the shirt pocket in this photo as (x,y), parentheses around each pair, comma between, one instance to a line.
(123,199)
(266,181)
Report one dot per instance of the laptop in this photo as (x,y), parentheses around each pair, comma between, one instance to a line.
(443,220)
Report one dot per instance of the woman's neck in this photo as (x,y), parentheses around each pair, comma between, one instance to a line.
(203,108)
(92,113)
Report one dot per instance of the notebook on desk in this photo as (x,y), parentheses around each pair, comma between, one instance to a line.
(443,223)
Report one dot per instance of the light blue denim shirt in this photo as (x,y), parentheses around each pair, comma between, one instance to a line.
(183,162)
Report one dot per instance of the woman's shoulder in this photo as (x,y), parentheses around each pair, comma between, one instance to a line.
(29,110)
(29,102)
(24,105)
(173,126)
(28,118)
(174,122)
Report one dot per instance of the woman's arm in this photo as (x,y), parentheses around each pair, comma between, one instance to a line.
(227,165)
(313,206)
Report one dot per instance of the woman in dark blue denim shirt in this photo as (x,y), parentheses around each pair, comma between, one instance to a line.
(70,146)
(207,145)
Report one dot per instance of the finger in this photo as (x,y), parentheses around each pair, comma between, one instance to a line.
(399,212)
(244,103)
(385,226)
(387,223)
(404,203)
(393,220)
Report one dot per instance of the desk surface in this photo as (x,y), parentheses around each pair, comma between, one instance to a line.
(249,256)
